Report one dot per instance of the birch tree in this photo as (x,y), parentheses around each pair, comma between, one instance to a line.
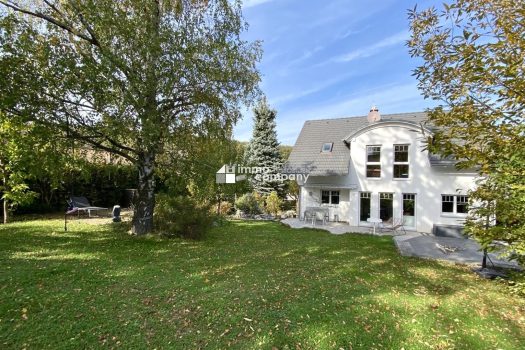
(126,77)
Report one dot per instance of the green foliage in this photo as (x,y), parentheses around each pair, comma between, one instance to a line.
(516,284)
(263,150)
(28,152)
(182,216)
(128,78)
(284,151)
(289,205)
(473,54)
(273,203)
(225,208)
(103,184)
(261,201)
(196,175)
(291,188)
(248,204)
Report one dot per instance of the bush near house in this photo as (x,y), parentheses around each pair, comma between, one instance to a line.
(182,216)
(273,203)
(248,204)
(225,208)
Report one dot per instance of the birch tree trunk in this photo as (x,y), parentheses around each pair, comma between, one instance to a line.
(145,203)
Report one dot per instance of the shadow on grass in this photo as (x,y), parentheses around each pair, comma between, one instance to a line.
(248,285)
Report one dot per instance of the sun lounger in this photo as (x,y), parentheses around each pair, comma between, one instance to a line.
(81,204)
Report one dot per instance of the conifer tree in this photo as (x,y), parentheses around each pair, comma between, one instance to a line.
(263,150)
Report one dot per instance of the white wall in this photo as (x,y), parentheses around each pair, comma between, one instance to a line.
(311,197)
(428,183)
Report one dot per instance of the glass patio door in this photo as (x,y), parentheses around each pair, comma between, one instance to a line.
(386,206)
(409,210)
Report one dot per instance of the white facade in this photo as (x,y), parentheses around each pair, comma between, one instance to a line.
(426,183)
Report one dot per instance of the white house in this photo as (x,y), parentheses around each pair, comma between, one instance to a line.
(377,167)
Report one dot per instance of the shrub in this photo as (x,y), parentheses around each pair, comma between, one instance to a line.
(248,204)
(182,216)
(261,201)
(273,203)
(225,208)
(290,214)
(516,284)
(289,205)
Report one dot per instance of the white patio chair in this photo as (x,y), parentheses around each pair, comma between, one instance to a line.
(394,224)
(321,215)
(309,216)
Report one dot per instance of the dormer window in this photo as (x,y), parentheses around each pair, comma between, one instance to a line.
(327,147)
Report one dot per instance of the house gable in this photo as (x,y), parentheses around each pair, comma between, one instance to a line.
(307,153)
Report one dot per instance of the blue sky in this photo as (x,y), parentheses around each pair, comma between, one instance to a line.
(332,58)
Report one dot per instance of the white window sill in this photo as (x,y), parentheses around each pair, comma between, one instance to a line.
(400,179)
(453,215)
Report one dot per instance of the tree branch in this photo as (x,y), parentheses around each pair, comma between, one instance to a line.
(92,140)
(49,19)
(101,135)
(89,29)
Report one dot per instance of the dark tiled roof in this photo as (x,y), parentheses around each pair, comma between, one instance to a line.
(306,153)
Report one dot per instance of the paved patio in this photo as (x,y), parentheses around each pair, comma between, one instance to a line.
(336,228)
(458,250)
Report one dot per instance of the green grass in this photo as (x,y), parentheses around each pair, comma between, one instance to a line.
(249,285)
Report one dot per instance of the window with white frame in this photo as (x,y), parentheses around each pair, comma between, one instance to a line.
(329,197)
(373,161)
(401,167)
(462,204)
(454,204)
(364,206)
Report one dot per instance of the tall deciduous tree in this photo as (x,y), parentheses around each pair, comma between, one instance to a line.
(197,175)
(126,77)
(27,153)
(473,63)
(263,149)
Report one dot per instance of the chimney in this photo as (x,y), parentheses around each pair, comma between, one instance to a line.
(373,115)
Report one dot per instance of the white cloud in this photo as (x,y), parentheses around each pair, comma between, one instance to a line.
(373,49)
(391,98)
(252,3)
(309,53)
(349,32)
(300,92)
(358,103)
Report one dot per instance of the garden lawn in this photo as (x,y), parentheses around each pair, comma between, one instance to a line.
(249,285)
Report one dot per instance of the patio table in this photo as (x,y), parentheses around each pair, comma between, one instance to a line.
(374,221)
(314,211)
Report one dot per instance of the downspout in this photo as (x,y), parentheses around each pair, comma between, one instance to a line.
(298,204)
